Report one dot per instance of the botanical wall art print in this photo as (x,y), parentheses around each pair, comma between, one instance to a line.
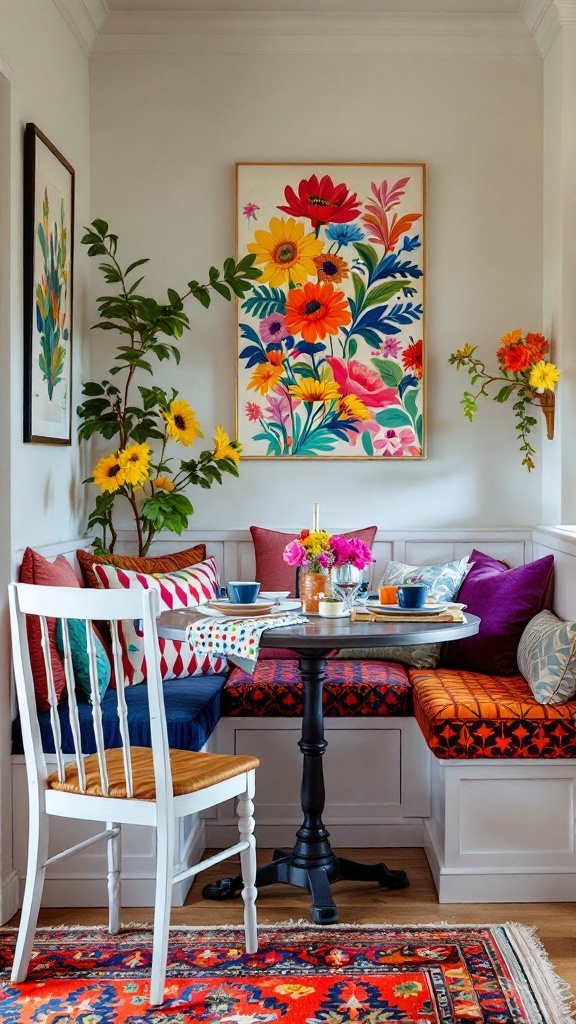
(48,271)
(331,335)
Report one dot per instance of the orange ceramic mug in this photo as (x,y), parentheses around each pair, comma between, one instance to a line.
(388,595)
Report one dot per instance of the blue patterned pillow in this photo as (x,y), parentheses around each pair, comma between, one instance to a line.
(547,658)
(444,579)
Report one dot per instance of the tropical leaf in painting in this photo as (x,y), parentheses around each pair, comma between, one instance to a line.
(410,402)
(389,321)
(383,292)
(248,332)
(367,254)
(254,355)
(390,371)
(319,441)
(393,266)
(264,301)
(409,244)
(367,443)
(393,416)
(409,381)
(274,446)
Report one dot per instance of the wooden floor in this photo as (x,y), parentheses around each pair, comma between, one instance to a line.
(363,903)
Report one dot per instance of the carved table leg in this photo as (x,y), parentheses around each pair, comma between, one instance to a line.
(312,863)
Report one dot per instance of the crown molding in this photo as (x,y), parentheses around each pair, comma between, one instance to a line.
(85,18)
(341,32)
(545,18)
(6,67)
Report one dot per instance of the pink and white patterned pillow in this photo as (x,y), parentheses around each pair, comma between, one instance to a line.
(180,589)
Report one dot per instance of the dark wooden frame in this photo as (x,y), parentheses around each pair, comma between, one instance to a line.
(33,429)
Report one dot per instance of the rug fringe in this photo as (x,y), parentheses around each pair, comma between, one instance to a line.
(554,993)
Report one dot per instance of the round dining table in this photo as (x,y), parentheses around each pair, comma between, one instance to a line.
(312,864)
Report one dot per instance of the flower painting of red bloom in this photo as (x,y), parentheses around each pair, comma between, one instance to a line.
(321,202)
(331,349)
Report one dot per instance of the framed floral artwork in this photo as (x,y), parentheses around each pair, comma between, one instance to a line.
(331,338)
(48,272)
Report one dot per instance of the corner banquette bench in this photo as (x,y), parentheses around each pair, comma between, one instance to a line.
(467,765)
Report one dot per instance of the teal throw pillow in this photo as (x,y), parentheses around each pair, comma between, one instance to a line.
(443,579)
(547,658)
(77,634)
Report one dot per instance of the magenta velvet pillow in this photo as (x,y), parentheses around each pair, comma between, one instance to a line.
(272,572)
(506,600)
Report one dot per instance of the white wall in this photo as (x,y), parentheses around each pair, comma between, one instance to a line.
(49,87)
(172,112)
(43,79)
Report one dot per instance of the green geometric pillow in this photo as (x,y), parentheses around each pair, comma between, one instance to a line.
(80,663)
(415,655)
(547,658)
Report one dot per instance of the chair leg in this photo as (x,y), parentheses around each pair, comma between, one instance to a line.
(35,873)
(114,858)
(163,899)
(246,823)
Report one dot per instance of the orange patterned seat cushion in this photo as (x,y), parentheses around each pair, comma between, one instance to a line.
(468,714)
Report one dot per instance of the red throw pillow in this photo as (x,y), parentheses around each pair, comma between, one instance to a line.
(272,572)
(37,569)
(147,563)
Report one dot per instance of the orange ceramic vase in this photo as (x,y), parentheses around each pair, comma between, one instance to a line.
(312,585)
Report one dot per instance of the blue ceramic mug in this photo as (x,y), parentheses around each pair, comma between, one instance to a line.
(243,593)
(412,595)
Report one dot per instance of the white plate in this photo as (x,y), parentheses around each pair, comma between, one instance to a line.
(427,609)
(222,607)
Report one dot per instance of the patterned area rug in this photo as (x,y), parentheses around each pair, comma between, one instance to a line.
(301,974)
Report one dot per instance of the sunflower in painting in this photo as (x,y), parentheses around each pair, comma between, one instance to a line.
(286,251)
(141,472)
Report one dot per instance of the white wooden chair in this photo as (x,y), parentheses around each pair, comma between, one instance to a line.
(136,785)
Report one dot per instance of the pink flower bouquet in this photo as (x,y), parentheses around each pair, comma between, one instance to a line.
(317,551)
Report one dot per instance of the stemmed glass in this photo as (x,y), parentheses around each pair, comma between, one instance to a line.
(346,581)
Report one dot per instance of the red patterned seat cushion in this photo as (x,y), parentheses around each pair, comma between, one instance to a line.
(468,714)
(351,688)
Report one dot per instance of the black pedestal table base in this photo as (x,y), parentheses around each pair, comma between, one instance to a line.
(312,864)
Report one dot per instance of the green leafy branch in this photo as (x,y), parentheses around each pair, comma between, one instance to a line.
(466,359)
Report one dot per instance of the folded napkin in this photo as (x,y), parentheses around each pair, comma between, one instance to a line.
(450,614)
(235,639)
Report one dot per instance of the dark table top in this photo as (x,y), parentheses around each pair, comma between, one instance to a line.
(324,634)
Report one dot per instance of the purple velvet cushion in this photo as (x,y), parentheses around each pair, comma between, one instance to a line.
(506,600)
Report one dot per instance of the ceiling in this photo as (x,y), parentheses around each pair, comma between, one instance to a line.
(353,6)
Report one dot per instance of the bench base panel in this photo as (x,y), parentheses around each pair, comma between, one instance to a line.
(376,772)
(502,831)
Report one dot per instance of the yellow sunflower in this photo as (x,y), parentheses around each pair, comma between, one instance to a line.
(135,464)
(162,483)
(224,449)
(181,423)
(311,390)
(108,473)
(265,377)
(288,254)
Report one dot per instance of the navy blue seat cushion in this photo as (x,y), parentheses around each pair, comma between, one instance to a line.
(193,708)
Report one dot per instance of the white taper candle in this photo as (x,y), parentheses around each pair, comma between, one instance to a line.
(316,516)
